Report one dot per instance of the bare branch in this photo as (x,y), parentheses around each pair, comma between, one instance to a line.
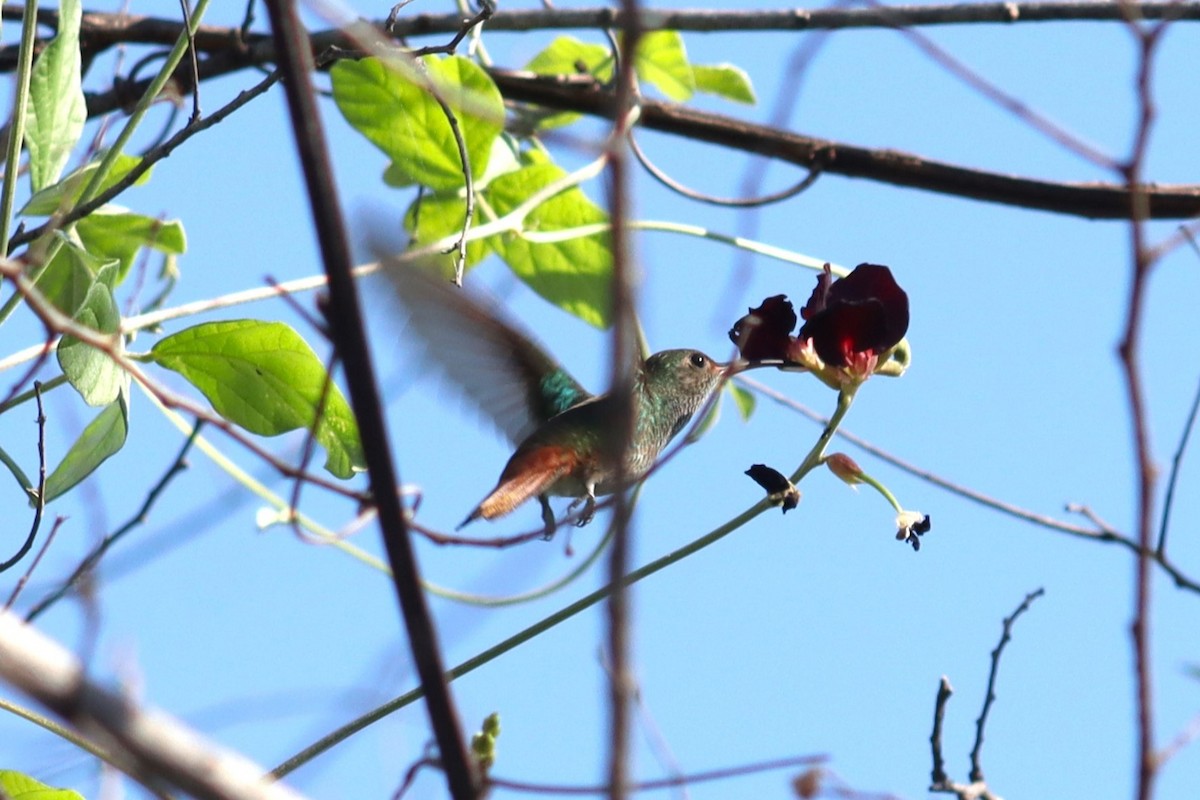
(981,723)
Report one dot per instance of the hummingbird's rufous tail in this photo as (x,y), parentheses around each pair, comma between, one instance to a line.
(529,473)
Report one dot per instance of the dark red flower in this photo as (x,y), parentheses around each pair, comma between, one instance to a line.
(864,311)
(765,333)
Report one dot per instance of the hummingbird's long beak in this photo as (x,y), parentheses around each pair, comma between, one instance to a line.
(740,364)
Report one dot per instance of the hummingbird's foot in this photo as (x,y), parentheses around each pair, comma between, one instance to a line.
(589,511)
(547,518)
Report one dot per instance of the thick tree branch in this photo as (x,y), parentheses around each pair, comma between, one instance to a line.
(226,50)
(154,748)
(1094,200)
(103,30)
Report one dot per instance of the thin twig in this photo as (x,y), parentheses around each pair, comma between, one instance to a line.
(1102,531)
(666,180)
(1189,734)
(345,321)
(1173,479)
(1040,123)
(37,559)
(39,500)
(486,10)
(193,58)
(460,263)
(43,352)
(990,697)
(722,774)
(89,562)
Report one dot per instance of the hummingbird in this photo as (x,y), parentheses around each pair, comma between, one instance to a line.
(561,432)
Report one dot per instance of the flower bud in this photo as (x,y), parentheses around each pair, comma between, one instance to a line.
(845,468)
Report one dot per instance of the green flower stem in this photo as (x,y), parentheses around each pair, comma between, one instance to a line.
(61,731)
(247,480)
(883,490)
(816,456)
(16,132)
(811,461)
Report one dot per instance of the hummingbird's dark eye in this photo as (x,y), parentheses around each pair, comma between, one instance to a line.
(698,360)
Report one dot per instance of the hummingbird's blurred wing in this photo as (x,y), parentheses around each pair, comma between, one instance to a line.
(500,369)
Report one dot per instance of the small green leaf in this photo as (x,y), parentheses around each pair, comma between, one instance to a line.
(573,274)
(18,786)
(725,80)
(103,437)
(67,191)
(112,232)
(15,470)
(434,217)
(57,110)
(264,377)
(744,398)
(662,61)
(393,107)
(94,375)
(567,55)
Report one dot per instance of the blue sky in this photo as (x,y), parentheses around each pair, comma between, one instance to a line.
(810,633)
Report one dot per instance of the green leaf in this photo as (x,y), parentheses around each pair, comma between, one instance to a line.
(744,398)
(391,105)
(94,375)
(574,274)
(19,786)
(67,191)
(57,109)
(264,377)
(103,437)
(112,232)
(70,274)
(15,470)
(725,80)
(662,61)
(434,217)
(567,55)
